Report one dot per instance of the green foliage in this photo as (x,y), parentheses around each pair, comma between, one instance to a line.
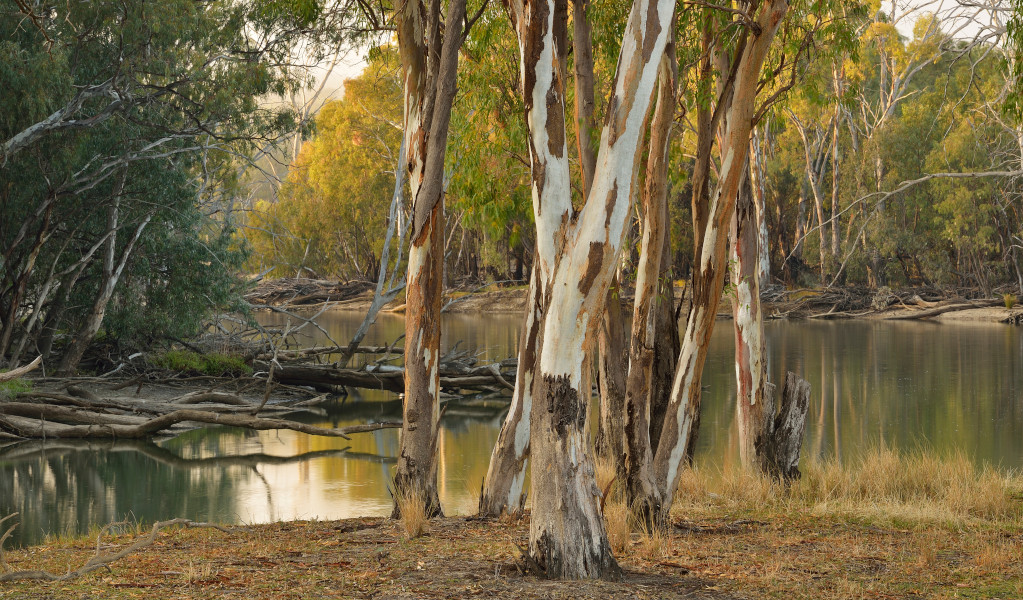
(193,363)
(187,83)
(1010,300)
(330,217)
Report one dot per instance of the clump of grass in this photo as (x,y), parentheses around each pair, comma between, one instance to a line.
(10,389)
(413,519)
(213,364)
(198,573)
(616,519)
(1010,300)
(653,542)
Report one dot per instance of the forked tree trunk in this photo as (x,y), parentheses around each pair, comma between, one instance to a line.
(506,475)
(567,536)
(677,437)
(647,326)
(750,360)
(429,67)
(113,268)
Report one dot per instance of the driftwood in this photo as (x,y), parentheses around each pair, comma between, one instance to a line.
(454,375)
(785,427)
(300,291)
(15,373)
(937,310)
(52,415)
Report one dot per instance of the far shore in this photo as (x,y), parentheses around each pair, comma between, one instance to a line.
(808,304)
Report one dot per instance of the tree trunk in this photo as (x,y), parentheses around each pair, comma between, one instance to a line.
(111,276)
(506,475)
(647,326)
(678,434)
(577,258)
(612,369)
(417,464)
(750,360)
(611,343)
(788,427)
(760,201)
(430,69)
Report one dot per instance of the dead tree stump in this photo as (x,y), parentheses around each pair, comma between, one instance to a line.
(784,435)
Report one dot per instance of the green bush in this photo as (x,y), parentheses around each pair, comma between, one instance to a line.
(216,365)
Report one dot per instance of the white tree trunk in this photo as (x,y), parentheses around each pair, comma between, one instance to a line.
(506,475)
(576,261)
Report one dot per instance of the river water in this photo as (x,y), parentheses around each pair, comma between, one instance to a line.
(945,387)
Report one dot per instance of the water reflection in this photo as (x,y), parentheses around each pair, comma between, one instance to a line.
(944,387)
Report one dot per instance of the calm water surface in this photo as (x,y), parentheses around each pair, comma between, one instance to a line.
(943,387)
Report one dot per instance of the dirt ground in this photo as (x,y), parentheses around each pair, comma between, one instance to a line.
(712,557)
(364,558)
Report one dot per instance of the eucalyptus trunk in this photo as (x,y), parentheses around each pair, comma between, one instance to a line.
(506,475)
(577,258)
(750,355)
(647,324)
(678,433)
(429,59)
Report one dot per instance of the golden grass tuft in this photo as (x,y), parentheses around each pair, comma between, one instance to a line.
(413,520)
(653,543)
(198,573)
(605,474)
(616,519)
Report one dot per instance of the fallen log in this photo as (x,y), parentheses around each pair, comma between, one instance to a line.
(390,378)
(39,428)
(16,373)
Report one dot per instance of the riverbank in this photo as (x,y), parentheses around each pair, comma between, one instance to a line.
(777,302)
(891,526)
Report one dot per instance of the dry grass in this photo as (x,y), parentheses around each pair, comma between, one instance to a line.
(605,474)
(195,574)
(883,486)
(654,543)
(616,519)
(414,521)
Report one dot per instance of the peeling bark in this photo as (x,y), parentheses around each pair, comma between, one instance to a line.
(577,258)
(647,327)
(678,433)
(429,66)
(752,390)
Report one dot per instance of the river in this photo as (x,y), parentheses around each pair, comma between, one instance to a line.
(943,387)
